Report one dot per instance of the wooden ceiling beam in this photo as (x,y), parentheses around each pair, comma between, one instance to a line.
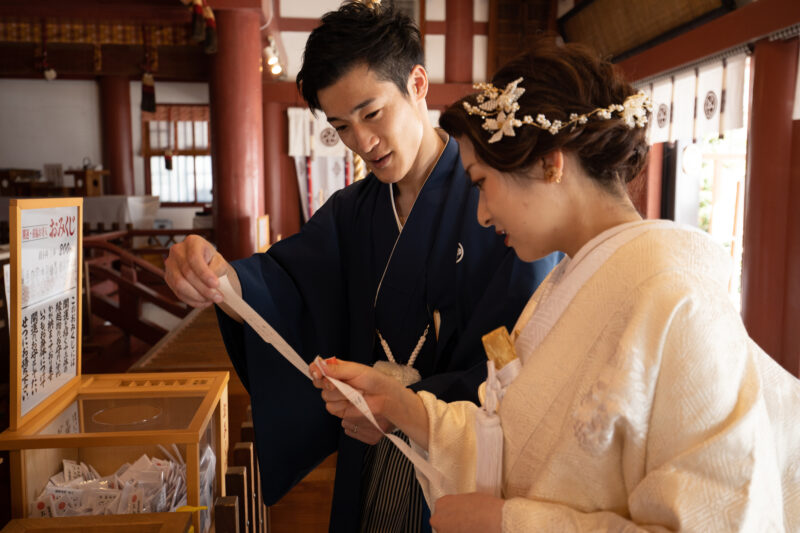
(142,10)
(76,61)
(747,24)
(170,11)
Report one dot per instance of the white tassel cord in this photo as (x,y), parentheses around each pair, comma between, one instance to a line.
(405,374)
(489,438)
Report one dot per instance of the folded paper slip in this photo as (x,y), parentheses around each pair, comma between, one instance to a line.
(270,336)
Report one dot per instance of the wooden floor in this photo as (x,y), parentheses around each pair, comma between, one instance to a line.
(196,344)
(307,507)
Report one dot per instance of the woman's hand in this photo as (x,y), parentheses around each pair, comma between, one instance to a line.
(467,513)
(354,423)
(390,402)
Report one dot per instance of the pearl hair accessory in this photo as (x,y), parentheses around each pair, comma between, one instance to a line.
(498,110)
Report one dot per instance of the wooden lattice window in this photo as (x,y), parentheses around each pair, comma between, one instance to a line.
(183,131)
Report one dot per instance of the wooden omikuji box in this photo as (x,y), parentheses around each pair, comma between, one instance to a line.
(107,420)
(128,523)
(102,420)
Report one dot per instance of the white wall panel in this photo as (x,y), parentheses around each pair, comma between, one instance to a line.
(480,50)
(434,9)
(434,58)
(480,10)
(307,8)
(294,42)
(49,122)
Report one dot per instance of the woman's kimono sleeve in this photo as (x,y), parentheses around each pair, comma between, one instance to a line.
(451,446)
(700,454)
(297,286)
(698,449)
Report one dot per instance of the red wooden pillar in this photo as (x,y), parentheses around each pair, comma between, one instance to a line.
(645,189)
(791,309)
(237,132)
(458,41)
(768,197)
(115,116)
(282,196)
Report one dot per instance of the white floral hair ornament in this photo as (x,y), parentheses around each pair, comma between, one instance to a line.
(498,109)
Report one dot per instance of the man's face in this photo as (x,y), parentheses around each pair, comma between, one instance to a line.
(376,121)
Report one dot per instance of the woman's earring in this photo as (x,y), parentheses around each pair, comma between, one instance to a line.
(553,174)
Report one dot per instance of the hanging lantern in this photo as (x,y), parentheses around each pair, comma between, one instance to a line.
(48,71)
(198,22)
(150,66)
(211,42)
(148,93)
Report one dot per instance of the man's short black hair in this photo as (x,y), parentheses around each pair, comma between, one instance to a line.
(384,39)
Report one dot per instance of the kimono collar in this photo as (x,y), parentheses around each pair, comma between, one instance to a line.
(554,295)
(412,246)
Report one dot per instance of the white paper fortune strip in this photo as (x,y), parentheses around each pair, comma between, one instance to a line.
(269,335)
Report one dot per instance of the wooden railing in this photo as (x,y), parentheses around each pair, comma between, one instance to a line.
(148,241)
(119,281)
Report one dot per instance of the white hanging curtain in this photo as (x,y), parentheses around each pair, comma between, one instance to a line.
(796,112)
(684,91)
(325,141)
(662,106)
(320,158)
(733,102)
(709,100)
(701,100)
(299,132)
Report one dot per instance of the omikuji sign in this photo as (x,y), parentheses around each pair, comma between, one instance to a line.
(45,299)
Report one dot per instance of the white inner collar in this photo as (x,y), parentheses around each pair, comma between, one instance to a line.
(394,208)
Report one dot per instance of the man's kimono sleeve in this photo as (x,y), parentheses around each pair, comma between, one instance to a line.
(297,286)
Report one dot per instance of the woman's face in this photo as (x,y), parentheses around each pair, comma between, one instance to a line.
(528,209)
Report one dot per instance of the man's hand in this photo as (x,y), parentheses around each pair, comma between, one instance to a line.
(193,269)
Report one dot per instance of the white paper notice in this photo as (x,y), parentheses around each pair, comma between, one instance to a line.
(49,302)
(269,335)
(68,421)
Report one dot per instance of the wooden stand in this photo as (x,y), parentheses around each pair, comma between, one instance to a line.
(130,523)
(120,417)
(90,182)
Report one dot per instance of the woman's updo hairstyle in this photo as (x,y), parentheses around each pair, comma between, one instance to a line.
(559,80)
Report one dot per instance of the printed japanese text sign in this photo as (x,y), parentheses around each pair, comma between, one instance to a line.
(46,260)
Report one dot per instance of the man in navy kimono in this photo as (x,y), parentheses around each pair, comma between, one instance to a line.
(394,267)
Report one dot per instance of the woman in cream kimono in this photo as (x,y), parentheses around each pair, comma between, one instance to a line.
(639,402)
